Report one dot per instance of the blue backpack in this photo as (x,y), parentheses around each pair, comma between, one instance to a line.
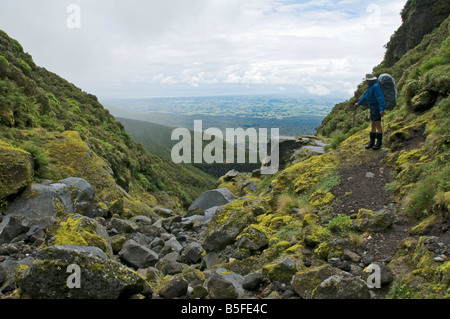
(388,86)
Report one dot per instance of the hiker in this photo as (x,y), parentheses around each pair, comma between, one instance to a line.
(375,98)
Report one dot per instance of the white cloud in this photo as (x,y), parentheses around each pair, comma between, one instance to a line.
(323,47)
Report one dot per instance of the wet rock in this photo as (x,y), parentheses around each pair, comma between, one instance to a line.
(39,204)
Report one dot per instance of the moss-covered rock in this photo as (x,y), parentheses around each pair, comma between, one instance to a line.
(253,238)
(305,281)
(79,230)
(304,175)
(283,268)
(373,221)
(231,220)
(71,156)
(424,226)
(99,277)
(342,285)
(16,169)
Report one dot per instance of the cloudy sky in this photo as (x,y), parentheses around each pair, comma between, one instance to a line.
(147,48)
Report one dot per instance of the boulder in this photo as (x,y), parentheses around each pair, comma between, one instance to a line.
(79,230)
(378,221)
(386,276)
(253,281)
(174,244)
(230,220)
(137,256)
(11,227)
(82,195)
(168,266)
(16,169)
(282,269)
(99,277)
(123,226)
(193,252)
(342,286)
(253,238)
(304,282)
(211,198)
(220,288)
(424,101)
(39,205)
(173,288)
(224,284)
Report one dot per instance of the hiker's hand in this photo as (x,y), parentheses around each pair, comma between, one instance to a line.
(382,114)
(356,104)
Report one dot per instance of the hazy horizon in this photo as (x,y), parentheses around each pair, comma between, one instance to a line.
(173,48)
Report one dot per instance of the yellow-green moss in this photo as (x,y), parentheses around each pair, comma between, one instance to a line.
(70,156)
(313,235)
(304,175)
(283,268)
(247,208)
(408,158)
(424,226)
(295,250)
(77,230)
(326,251)
(252,235)
(320,198)
(274,221)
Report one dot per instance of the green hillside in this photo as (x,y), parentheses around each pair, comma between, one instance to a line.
(38,109)
(156,139)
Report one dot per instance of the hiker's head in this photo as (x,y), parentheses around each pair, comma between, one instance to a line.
(370,78)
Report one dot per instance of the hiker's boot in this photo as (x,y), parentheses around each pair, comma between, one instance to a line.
(372,140)
(379,141)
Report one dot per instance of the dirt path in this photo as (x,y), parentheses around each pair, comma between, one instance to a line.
(362,185)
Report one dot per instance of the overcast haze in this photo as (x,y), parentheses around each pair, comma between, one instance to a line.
(140,48)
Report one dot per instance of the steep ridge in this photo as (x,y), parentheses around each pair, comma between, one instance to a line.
(348,223)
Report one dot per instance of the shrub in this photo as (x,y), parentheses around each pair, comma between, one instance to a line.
(341,224)
(24,66)
(40,159)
